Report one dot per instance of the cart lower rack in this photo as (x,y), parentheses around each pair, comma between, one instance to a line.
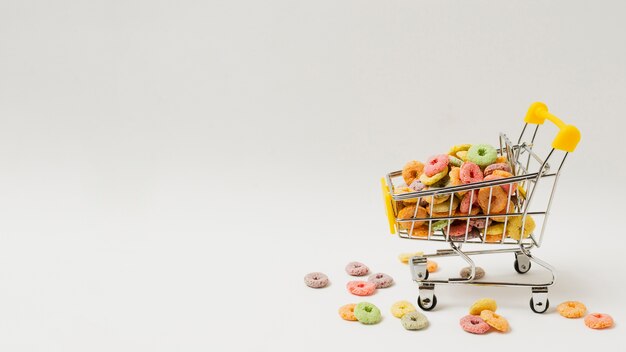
(530,192)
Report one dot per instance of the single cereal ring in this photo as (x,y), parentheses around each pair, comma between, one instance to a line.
(459,148)
(453,160)
(571,309)
(404,257)
(407,213)
(361,288)
(465,202)
(479,273)
(436,164)
(444,207)
(499,174)
(501,159)
(483,304)
(506,210)
(402,190)
(400,308)
(381,280)
(479,223)
(412,170)
(494,320)
(417,186)
(454,177)
(495,230)
(514,227)
(431,266)
(474,324)
(470,173)
(457,231)
(434,178)
(482,155)
(441,224)
(347,312)
(598,321)
(367,313)
(316,280)
(462,155)
(414,321)
(497,166)
(357,269)
(496,203)
(442,214)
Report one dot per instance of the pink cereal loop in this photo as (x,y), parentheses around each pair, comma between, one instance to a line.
(470,173)
(436,164)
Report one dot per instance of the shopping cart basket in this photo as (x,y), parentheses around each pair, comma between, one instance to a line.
(532,176)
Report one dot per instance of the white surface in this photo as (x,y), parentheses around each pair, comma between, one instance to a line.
(171,170)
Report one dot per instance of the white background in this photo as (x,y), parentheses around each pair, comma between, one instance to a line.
(170,170)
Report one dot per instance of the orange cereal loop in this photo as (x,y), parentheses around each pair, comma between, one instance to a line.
(571,309)
(502,173)
(498,199)
(407,213)
(598,321)
(347,312)
(511,209)
(501,159)
(431,266)
(494,320)
(402,190)
(455,178)
(420,231)
(412,170)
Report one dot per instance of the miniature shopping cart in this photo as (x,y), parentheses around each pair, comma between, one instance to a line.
(530,193)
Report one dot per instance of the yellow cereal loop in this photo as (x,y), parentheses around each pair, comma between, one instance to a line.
(404,257)
(483,304)
(459,148)
(462,155)
(495,229)
(434,178)
(514,227)
(400,308)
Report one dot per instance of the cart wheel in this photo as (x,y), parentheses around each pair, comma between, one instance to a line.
(428,304)
(540,307)
(524,269)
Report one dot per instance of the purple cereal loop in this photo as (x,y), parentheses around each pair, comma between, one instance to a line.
(381,280)
(357,269)
(417,186)
(479,223)
(316,280)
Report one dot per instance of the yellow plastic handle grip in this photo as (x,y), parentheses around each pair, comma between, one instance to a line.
(568,137)
(388,207)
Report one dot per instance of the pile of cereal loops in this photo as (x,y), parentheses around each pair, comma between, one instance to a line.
(464,164)
(482,318)
(363,312)
(575,309)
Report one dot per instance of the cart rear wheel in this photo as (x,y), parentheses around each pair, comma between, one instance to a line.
(539,307)
(524,269)
(427,304)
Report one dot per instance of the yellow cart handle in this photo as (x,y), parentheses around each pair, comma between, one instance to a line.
(388,207)
(568,136)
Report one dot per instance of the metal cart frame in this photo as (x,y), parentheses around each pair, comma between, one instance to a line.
(529,171)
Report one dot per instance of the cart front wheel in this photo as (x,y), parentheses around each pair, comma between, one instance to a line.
(524,267)
(540,307)
(427,303)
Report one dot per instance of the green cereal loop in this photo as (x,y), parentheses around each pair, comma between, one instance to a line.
(367,313)
(434,178)
(454,161)
(438,225)
(414,321)
(482,155)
